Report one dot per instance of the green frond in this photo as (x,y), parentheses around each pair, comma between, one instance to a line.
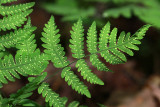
(23,64)
(11,39)
(74,81)
(50,96)
(104,49)
(86,72)
(14,9)
(6,1)
(74,104)
(113,48)
(92,48)
(77,40)
(53,48)
(14,21)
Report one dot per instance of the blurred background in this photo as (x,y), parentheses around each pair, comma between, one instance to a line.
(133,84)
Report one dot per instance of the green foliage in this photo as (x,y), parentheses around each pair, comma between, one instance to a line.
(145,10)
(148,13)
(29,61)
(69,10)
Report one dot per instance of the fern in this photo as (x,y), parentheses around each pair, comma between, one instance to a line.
(30,61)
(9,10)
(15,15)
(108,47)
(56,53)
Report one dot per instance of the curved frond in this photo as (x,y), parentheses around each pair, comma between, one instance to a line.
(74,81)
(92,48)
(13,9)
(23,64)
(50,96)
(14,21)
(53,48)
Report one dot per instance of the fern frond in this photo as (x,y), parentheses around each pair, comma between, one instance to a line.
(53,48)
(50,96)
(92,48)
(23,64)
(74,81)
(13,9)
(9,40)
(56,53)
(78,52)
(111,48)
(14,21)
(6,1)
